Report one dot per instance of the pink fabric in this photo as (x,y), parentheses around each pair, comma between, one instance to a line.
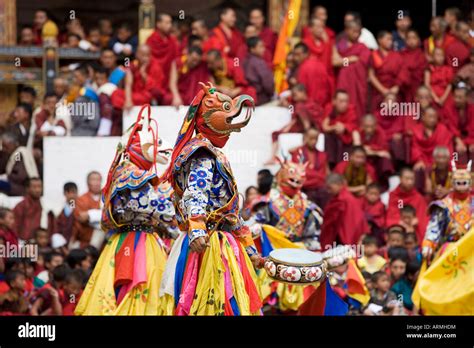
(139,268)
(227,280)
(189,285)
(234,247)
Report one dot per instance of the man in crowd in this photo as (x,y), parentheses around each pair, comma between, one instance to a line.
(29,212)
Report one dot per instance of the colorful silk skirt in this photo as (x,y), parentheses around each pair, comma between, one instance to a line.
(283,296)
(219,281)
(127,277)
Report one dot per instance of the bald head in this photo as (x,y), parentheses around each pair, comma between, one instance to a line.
(143,54)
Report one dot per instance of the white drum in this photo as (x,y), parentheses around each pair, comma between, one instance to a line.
(295,266)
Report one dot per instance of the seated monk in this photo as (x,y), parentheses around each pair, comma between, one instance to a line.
(186,73)
(143,82)
(394,128)
(339,123)
(439,38)
(313,75)
(229,78)
(357,171)
(344,220)
(406,194)
(426,136)
(373,139)
(317,168)
(459,119)
(164,46)
(438,175)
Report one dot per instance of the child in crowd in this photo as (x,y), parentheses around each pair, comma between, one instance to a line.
(51,261)
(374,211)
(438,77)
(73,286)
(403,287)
(371,262)
(7,225)
(49,298)
(41,238)
(383,301)
(412,247)
(14,300)
(395,238)
(408,219)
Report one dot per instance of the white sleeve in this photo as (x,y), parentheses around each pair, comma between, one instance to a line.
(105,127)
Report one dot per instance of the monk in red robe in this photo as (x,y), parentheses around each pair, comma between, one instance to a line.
(357,171)
(439,37)
(164,46)
(415,64)
(321,13)
(199,28)
(317,168)
(225,37)
(459,119)
(352,59)
(344,220)
(373,139)
(267,35)
(87,212)
(313,75)
(406,194)
(143,82)
(29,211)
(438,78)
(186,73)
(458,51)
(427,135)
(438,178)
(386,72)
(339,123)
(229,78)
(321,47)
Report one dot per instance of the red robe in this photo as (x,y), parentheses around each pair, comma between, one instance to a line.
(457,50)
(389,70)
(316,169)
(375,212)
(82,232)
(306,32)
(220,41)
(461,127)
(188,80)
(377,141)
(344,220)
(353,78)
(269,38)
(422,147)
(389,124)
(313,75)
(143,92)
(164,49)
(27,217)
(348,118)
(441,77)
(398,198)
(323,52)
(415,64)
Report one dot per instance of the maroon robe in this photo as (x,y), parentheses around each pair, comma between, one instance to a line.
(27,217)
(228,46)
(313,75)
(460,126)
(422,146)
(316,169)
(269,38)
(389,70)
(188,80)
(375,212)
(344,220)
(415,64)
(457,54)
(353,78)
(377,142)
(322,50)
(165,49)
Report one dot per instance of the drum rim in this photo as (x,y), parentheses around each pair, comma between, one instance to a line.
(287,263)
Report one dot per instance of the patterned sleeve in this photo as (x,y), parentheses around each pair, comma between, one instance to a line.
(197,192)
